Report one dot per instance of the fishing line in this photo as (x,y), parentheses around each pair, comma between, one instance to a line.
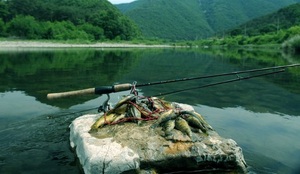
(216,75)
(70,113)
(239,78)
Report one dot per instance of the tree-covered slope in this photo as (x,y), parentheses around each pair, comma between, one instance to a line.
(194,19)
(163,19)
(94,17)
(282,19)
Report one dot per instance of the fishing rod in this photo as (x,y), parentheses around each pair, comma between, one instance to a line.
(103,107)
(127,86)
(221,82)
(217,75)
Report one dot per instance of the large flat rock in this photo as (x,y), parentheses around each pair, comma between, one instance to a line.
(128,147)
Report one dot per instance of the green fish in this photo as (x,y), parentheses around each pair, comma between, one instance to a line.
(109,118)
(194,122)
(183,126)
(169,126)
(165,116)
(135,113)
(197,116)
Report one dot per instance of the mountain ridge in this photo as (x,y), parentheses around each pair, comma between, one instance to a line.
(283,18)
(195,19)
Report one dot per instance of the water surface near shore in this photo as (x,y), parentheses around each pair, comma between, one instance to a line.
(261,115)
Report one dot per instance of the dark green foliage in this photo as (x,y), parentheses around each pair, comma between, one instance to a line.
(24,26)
(3,10)
(2,27)
(292,45)
(291,34)
(196,19)
(274,22)
(66,19)
(281,27)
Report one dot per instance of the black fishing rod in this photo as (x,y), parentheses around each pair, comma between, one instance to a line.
(217,75)
(127,86)
(221,82)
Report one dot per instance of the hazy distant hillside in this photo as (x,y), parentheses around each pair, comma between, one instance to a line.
(281,19)
(194,19)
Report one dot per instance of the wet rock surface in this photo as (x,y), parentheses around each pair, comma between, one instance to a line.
(128,147)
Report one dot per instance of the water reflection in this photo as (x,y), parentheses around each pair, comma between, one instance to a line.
(40,72)
(261,114)
(274,135)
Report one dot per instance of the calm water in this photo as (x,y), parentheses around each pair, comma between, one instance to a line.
(262,115)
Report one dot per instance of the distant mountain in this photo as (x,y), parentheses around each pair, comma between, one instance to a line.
(195,19)
(281,19)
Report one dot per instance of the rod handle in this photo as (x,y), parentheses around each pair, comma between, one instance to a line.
(71,93)
(98,90)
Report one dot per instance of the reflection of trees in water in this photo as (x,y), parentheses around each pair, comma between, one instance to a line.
(260,95)
(254,58)
(40,72)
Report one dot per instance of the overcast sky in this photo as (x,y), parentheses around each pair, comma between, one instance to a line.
(120,1)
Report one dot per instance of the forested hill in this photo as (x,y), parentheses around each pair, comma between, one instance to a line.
(64,19)
(195,19)
(280,20)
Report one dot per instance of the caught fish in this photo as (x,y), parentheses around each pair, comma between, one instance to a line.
(157,105)
(103,120)
(194,122)
(121,106)
(121,109)
(165,116)
(169,126)
(124,100)
(183,126)
(143,108)
(198,116)
(118,118)
(165,104)
(135,113)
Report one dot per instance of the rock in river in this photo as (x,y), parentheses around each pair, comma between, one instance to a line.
(131,148)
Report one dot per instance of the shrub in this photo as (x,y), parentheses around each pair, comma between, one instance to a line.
(24,26)
(292,45)
(2,27)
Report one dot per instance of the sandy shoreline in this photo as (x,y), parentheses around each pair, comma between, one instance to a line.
(41,44)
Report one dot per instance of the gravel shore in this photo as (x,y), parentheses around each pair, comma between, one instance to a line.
(41,44)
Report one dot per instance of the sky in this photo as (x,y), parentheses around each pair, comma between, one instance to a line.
(120,1)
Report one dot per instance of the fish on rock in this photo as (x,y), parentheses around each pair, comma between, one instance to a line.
(183,126)
(165,116)
(169,126)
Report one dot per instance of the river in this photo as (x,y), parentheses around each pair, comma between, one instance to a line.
(262,114)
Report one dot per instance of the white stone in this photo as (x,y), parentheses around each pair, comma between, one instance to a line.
(99,155)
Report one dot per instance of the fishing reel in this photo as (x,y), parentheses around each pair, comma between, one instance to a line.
(106,106)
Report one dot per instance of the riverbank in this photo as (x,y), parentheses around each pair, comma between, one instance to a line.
(44,44)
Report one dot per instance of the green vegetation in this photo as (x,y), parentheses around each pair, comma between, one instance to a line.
(272,38)
(272,23)
(292,46)
(195,19)
(264,31)
(64,20)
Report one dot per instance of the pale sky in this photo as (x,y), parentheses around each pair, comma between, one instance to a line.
(120,1)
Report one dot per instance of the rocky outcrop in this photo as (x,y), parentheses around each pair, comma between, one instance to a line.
(128,147)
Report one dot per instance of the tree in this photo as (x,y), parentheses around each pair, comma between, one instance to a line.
(3,10)
(2,28)
(24,26)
